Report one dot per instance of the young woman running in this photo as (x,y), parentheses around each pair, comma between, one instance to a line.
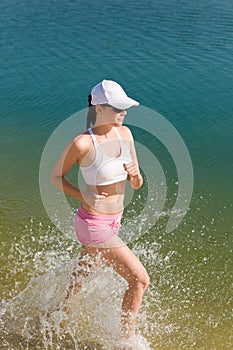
(107,158)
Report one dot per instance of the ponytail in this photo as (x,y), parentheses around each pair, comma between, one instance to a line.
(91,115)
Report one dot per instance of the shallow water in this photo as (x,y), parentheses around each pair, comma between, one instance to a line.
(174,57)
(187,305)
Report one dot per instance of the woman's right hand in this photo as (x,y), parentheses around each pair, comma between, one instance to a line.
(94,199)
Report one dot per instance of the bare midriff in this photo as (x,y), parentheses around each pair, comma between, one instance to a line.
(112,203)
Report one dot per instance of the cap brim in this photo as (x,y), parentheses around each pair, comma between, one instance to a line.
(127,103)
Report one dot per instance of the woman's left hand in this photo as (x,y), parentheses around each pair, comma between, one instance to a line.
(135,177)
(132,169)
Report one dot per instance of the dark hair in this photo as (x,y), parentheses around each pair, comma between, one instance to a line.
(91,115)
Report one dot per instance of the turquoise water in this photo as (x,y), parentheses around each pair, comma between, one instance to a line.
(175,57)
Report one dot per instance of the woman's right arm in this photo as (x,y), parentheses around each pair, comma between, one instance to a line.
(71,154)
(75,152)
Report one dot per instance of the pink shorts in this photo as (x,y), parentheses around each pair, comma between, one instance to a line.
(96,228)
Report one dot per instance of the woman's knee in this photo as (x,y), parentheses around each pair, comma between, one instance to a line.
(145,280)
(141,280)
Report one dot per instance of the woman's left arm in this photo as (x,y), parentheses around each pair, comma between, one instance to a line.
(132,168)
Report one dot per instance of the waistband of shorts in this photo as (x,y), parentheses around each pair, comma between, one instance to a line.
(85,214)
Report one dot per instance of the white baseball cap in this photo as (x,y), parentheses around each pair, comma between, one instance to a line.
(111,93)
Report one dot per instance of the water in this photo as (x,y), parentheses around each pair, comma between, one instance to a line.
(174,57)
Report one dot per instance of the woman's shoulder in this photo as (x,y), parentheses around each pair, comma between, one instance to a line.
(125,132)
(82,142)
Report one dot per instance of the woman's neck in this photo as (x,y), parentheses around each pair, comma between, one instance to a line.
(102,129)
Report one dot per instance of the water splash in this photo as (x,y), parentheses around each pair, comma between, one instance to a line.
(34,318)
(187,305)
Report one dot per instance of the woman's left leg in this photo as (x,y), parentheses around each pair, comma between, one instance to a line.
(124,262)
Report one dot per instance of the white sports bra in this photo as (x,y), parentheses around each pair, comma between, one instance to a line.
(105,170)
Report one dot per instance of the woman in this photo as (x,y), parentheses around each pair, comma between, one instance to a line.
(107,158)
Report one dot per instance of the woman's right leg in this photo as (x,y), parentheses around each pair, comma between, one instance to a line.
(86,263)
